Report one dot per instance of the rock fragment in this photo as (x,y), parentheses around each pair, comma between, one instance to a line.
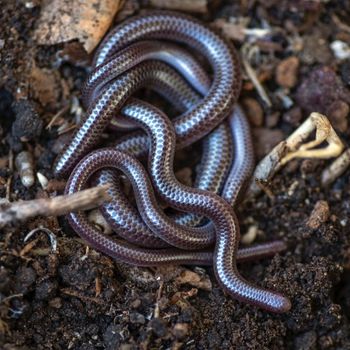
(287,72)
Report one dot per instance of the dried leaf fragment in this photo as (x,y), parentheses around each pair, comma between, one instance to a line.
(66,20)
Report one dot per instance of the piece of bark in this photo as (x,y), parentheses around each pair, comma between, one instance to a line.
(16,212)
(65,20)
(319,215)
(198,6)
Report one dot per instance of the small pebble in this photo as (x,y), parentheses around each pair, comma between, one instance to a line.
(56,303)
(112,337)
(56,185)
(337,113)
(46,290)
(135,317)
(28,125)
(181,330)
(158,327)
(319,215)
(135,303)
(250,236)
(287,72)
(25,278)
(306,341)
(254,111)
(316,48)
(42,179)
(320,89)
(194,279)
(341,50)
(24,164)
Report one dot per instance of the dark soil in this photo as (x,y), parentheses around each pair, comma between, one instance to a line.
(79,299)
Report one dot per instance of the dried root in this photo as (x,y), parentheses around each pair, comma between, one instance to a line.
(294,147)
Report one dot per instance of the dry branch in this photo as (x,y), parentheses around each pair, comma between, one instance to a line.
(13,213)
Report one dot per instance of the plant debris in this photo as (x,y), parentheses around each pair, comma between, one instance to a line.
(65,20)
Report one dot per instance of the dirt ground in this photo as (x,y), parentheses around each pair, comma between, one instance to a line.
(80,299)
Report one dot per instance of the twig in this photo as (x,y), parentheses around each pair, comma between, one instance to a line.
(246,52)
(12,213)
(59,114)
(76,294)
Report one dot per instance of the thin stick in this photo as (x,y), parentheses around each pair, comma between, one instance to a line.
(254,79)
(13,213)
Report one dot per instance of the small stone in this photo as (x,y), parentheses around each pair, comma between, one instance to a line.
(126,347)
(112,337)
(135,317)
(254,111)
(56,185)
(287,72)
(337,113)
(56,303)
(25,278)
(135,303)
(24,164)
(306,341)
(341,50)
(319,215)
(28,124)
(320,89)
(46,290)
(293,116)
(158,327)
(194,279)
(181,330)
(250,236)
(316,48)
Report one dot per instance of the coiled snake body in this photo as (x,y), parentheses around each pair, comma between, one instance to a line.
(141,52)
